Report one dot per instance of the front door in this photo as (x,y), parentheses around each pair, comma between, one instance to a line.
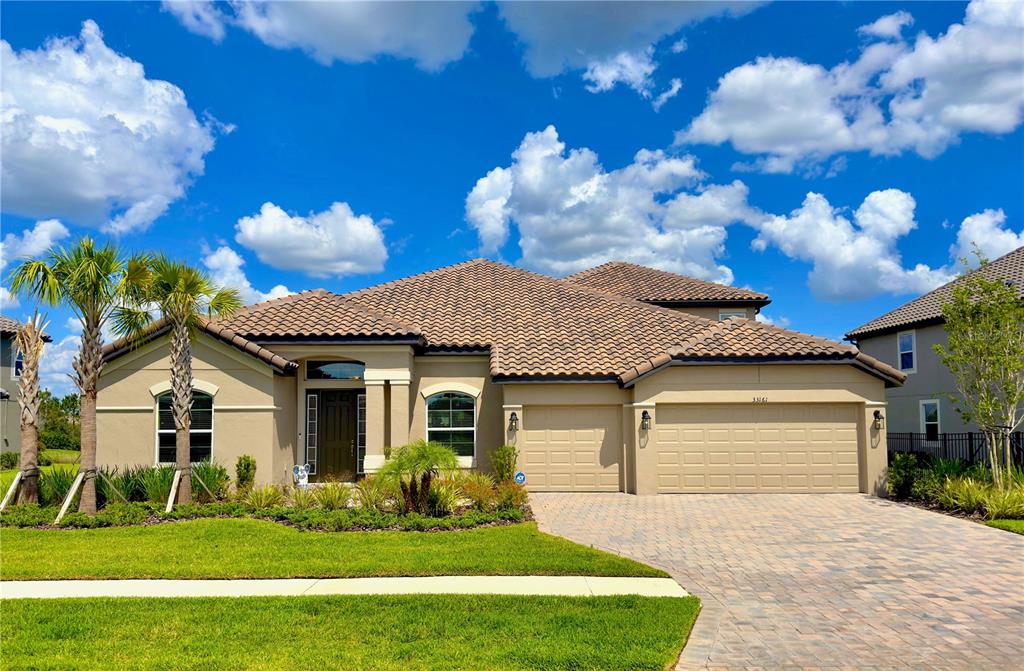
(338,435)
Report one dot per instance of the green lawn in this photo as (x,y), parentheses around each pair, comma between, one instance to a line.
(63,456)
(7,476)
(400,633)
(245,548)
(1016,526)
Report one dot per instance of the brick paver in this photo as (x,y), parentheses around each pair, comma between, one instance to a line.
(818,581)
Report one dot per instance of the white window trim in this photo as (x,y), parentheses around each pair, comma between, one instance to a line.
(913,350)
(158,430)
(14,364)
(725,314)
(938,414)
(464,462)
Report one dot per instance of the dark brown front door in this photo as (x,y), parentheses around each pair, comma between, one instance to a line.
(338,435)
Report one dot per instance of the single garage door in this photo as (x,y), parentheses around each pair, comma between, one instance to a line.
(571,448)
(757,448)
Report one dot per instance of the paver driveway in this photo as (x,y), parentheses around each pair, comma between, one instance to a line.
(824,581)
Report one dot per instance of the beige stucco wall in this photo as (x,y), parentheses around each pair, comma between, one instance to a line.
(467,374)
(244,407)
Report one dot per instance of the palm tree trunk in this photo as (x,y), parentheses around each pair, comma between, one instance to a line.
(181,400)
(87,370)
(29,341)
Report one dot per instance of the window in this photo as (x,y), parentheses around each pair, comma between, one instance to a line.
(907,357)
(335,370)
(19,364)
(930,419)
(360,433)
(451,421)
(725,314)
(200,436)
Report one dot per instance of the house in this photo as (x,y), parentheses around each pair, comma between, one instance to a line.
(10,391)
(905,339)
(598,391)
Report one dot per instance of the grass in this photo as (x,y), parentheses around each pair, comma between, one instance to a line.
(62,456)
(245,548)
(7,476)
(382,633)
(1016,526)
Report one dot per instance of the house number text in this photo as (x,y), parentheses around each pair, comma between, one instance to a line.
(760,399)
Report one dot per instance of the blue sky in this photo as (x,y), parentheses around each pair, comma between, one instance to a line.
(835,155)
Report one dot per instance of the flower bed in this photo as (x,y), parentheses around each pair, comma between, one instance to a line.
(953,487)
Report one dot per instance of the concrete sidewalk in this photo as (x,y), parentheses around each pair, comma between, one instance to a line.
(516,585)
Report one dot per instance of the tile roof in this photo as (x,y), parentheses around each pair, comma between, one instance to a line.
(158,328)
(928,308)
(316,313)
(658,286)
(10,326)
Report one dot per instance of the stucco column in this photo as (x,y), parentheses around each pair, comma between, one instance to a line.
(512,437)
(399,412)
(374,458)
(646,463)
(874,451)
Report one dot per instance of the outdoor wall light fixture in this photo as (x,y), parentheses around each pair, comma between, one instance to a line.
(645,421)
(879,420)
(513,421)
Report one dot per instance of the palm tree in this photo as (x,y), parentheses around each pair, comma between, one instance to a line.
(414,467)
(185,296)
(94,282)
(29,341)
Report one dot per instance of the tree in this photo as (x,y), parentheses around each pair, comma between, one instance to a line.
(415,466)
(184,296)
(58,422)
(985,329)
(29,341)
(94,282)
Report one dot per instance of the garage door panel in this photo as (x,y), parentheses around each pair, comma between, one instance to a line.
(572,448)
(783,448)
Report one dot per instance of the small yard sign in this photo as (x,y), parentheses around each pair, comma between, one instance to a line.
(520,478)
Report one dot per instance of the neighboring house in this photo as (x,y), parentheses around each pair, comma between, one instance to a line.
(10,392)
(905,338)
(599,392)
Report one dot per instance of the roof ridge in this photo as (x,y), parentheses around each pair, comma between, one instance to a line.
(752,295)
(272,302)
(800,334)
(402,281)
(355,307)
(698,338)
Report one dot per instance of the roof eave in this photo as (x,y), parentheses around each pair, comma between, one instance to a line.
(859,334)
(727,302)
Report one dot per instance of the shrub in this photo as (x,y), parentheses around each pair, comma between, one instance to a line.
(333,496)
(155,483)
(374,493)
(966,495)
(444,498)
(479,489)
(9,460)
(44,458)
(302,498)
(1004,503)
(266,496)
(216,479)
(978,471)
(114,515)
(414,467)
(947,468)
(901,475)
(117,486)
(60,435)
(27,515)
(55,484)
(245,473)
(503,461)
(925,485)
(510,496)
(191,511)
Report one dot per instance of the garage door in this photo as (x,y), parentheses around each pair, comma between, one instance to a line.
(571,448)
(757,448)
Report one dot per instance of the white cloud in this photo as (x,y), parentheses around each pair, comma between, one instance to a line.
(889,26)
(673,89)
(988,231)
(87,137)
(431,34)
(774,321)
(225,266)
(572,214)
(634,69)
(851,260)
(679,46)
(8,301)
(55,366)
(32,242)
(895,97)
(333,242)
(199,16)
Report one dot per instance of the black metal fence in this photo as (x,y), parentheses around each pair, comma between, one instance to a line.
(969,447)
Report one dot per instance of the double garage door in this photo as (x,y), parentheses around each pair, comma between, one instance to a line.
(697,448)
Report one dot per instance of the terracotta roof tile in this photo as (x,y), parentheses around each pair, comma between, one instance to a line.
(658,286)
(928,308)
(10,326)
(316,313)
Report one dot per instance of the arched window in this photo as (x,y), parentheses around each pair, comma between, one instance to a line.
(451,421)
(200,436)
